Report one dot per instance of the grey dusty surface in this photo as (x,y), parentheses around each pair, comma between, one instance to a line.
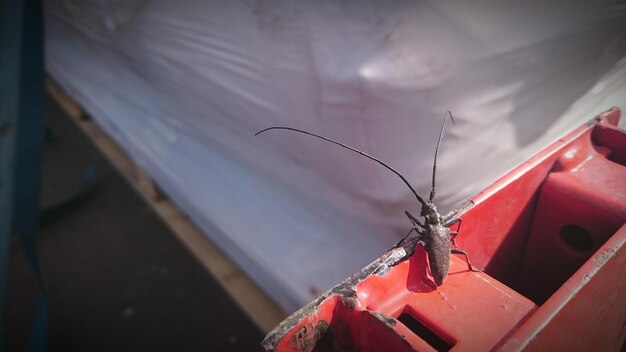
(116,278)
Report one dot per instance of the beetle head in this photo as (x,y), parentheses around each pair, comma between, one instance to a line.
(430,213)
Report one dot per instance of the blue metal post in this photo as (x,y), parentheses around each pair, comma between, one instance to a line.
(10,56)
(28,162)
(21,143)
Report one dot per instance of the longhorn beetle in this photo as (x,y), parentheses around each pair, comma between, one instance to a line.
(434,234)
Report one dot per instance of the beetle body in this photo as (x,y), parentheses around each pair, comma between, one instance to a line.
(435,237)
(437,245)
(434,234)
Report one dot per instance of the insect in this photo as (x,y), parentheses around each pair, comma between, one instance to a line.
(434,233)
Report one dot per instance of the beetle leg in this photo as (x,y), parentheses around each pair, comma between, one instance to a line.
(420,235)
(469,265)
(451,219)
(460,221)
(453,237)
(404,238)
(449,224)
(409,242)
(454,233)
(414,220)
(458,229)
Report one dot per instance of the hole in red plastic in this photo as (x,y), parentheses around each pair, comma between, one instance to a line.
(576,238)
(617,158)
(612,140)
(425,333)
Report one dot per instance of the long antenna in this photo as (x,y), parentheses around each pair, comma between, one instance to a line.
(419,198)
(443,127)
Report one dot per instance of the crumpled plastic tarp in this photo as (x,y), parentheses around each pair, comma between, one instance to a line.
(184,85)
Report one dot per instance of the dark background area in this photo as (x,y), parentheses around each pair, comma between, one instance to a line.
(116,278)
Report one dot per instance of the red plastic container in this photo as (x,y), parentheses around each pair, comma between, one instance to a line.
(550,236)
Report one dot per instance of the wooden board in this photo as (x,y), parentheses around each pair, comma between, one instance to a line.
(254,301)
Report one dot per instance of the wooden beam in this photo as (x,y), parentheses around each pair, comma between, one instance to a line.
(252,299)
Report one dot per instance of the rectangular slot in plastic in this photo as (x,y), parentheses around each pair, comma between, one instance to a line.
(425,333)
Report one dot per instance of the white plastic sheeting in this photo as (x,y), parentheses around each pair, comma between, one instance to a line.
(183,86)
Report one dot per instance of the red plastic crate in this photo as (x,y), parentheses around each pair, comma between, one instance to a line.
(550,236)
